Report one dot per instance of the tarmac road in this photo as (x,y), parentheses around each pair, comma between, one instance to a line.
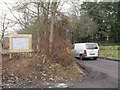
(108,67)
(101,74)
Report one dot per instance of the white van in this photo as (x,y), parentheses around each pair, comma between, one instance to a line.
(86,50)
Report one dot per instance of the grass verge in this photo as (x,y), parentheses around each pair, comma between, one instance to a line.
(110,47)
(111,54)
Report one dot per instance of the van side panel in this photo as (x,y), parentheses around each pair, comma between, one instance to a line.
(79,49)
(82,48)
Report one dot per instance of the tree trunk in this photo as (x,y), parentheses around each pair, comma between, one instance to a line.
(52,27)
(51,34)
(38,20)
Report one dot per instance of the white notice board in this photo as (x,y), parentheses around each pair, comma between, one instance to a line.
(20,43)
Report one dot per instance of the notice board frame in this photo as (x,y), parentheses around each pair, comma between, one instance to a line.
(29,36)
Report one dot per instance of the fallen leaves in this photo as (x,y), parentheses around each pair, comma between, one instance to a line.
(38,69)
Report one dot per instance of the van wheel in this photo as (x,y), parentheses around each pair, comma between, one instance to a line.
(95,58)
(81,57)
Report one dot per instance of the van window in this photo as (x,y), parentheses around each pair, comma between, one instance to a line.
(91,46)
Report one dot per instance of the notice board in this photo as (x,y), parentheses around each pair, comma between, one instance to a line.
(20,43)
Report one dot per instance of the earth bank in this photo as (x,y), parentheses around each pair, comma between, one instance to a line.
(37,70)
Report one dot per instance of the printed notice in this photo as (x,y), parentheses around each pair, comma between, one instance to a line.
(20,43)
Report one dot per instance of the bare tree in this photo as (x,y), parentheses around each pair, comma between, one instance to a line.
(54,7)
(42,21)
(48,11)
(4,28)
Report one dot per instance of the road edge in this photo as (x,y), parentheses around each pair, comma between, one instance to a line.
(109,59)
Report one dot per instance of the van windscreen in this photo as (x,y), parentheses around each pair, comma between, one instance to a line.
(91,46)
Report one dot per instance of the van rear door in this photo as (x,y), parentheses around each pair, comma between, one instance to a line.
(92,49)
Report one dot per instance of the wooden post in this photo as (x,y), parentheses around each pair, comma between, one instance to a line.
(30,54)
(10,56)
